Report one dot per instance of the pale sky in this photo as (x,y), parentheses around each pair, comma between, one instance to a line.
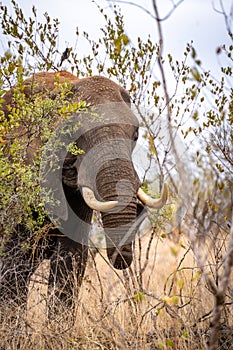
(193,20)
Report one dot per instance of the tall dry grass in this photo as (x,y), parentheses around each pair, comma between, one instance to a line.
(162,302)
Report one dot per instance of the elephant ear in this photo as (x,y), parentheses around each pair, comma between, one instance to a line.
(52,189)
(59,166)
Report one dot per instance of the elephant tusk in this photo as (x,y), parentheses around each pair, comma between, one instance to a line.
(95,204)
(151,202)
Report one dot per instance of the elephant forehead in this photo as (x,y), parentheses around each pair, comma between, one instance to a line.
(97,90)
(108,114)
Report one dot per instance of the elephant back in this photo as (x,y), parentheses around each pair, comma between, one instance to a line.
(43,82)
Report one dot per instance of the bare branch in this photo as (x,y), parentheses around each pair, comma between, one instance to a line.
(222,11)
(170,12)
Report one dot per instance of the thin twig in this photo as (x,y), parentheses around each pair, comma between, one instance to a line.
(157,18)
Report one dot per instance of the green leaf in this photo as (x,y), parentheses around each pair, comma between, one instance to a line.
(139,297)
(170,343)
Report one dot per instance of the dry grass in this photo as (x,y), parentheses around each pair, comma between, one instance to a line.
(159,307)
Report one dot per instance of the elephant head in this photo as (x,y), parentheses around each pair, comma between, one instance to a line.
(103,177)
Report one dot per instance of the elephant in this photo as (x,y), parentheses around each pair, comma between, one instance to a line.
(101,178)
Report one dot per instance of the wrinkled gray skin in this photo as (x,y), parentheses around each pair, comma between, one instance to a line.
(114,179)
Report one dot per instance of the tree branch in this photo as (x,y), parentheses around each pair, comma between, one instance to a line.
(170,12)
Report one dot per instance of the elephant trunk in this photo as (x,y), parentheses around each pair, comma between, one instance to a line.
(119,238)
(120,222)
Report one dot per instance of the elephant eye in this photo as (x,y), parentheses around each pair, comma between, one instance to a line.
(135,136)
